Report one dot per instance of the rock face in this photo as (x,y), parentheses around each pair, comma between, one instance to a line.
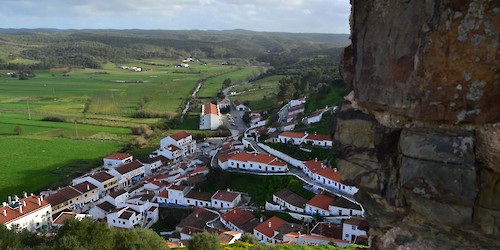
(420,133)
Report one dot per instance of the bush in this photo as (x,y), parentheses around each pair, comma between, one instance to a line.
(18,130)
(249,238)
(140,141)
(205,241)
(53,119)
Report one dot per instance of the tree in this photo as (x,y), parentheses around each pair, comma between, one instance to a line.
(9,239)
(140,141)
(205,241)
(139,238)
(84,234)
(18,130)
(249,238)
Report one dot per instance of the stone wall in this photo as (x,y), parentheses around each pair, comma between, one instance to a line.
(420,133)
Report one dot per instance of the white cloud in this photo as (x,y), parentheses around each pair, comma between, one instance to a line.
(325,16)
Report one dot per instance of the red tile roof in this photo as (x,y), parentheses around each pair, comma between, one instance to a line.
(319,137)
(321,201)
(269,226)
(117,156)
(261,158)
(330,173)
(225,195)
(62,195)
(64,216)
(177,187)
(314,165)
(163,194)
(210,108)
(237,103)
(129,167)
(84,187)
(293,134)
(238,217)
(102,176)
(328,229)
(180,135)
(225,157)
(14,213)
(198,170)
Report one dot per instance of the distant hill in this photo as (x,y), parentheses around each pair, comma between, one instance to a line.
(91,48)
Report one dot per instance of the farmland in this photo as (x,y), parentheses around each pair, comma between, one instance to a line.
(260,94)
(95,109)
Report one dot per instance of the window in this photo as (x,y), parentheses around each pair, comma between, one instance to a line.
(347,235)
(86,195)
(353,227)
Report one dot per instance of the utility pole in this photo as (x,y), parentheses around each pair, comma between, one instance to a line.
(29,111)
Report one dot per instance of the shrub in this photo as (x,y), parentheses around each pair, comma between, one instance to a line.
(53,119)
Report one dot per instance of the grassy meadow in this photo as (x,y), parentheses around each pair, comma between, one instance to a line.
(260,94)
(96,110)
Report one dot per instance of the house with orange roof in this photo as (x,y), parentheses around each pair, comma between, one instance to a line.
(255,162)
(327,176)
(239,220)
(59,220)
(129,173)
(294,138)
(175,146)
(116,159)
(210,117)
(353,228)
(104,181)
(320,205)
(225,199)
(320,140)
(162,197)
(239,106)
(30,213)
(273,230)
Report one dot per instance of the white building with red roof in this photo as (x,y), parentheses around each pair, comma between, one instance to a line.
(176,195)
(255,162)
(104,181)
(225,199)
(295,138)
(239,106)
(239,220)
(327,176)
(116,159)
(353,228)
(320,205)
(30,213)
(297,102)
(176,146)
(320,140)
(129,173)
(210,117)
(273,229)
(162,197)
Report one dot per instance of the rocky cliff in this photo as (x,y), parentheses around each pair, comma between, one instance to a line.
(420,132)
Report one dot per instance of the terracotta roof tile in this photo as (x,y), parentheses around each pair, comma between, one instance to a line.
(13,213)
(293,134)
(210,108)
(163,194)
(238,217)
(319,137)
(225,195)
(180,135)
(330,173)
(84,187)
(117,156)
(321,201)
(269,226)
(328,229)
(129,167)
(102,176)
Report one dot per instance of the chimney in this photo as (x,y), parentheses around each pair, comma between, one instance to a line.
(41,197)
(16,198)
(4,204)
(9,199)
(229,190)
(20,209)
(31,194)
(88,187)
(24,203)
(315,159)
(269,224)
(234,211)
(25,195)
(5,212)
(39,201)
(335,170)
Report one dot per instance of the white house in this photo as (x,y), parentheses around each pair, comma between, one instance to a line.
(210,117)
(117,197)
(344,207)
(288,126)
(351,229)
(181,140)
(198,199)
(307,239)
(162,197)
(297,102)
(116,159)
(124,218)
(129,173)
(225,199)
(319,140)
(89,192)
(239,106)
(256,162)
(104,181)
(319,205)
(239,220)
(224,103)
(30,213)
(101,210)
(151,164)
(290,200)
(176,195)
(315,116)
(295,138)
(296,110)
(267,230)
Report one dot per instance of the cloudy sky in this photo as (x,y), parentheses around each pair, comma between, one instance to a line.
(312,16)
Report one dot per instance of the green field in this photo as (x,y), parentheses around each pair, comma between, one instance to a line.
(260,94)
(31,163)
(96,108)
(212,86)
